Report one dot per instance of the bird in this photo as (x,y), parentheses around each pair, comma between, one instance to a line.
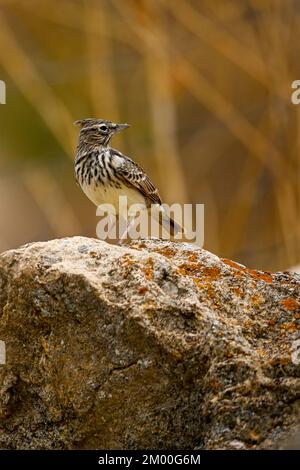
(104,173)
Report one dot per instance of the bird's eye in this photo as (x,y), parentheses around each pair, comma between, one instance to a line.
(104,128)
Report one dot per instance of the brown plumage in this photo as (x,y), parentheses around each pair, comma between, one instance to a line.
(134,176)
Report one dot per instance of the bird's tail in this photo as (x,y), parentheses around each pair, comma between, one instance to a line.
(170,225)
(167,222)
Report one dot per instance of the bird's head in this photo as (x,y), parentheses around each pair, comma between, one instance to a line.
(98,131)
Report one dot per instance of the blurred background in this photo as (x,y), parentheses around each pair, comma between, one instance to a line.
(206,86)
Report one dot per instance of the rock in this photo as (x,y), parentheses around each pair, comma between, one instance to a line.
(292,442)
(156,345)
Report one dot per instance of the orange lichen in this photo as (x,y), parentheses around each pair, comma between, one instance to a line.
(233,264)
(212,272)
(149,270)
(142,245)
(238,291)
(167,252)
(193,257)
(264,276)
(290,303)
(143,290)
(248,323)
(138,245)
(202,283)
(190,269)
(257,299)
(290,326)
(127,258)
(209,273)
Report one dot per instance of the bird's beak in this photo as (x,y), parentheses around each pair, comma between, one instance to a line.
(121,127)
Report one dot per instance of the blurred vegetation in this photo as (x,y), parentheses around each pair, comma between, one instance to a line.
(206,86)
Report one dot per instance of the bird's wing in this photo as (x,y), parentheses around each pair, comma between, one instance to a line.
(133,176)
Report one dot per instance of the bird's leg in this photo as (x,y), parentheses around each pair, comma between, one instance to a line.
(126,232)
(112,230)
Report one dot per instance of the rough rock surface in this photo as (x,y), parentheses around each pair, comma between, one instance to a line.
(152,345)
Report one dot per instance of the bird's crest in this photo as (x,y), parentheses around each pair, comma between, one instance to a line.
(88,122)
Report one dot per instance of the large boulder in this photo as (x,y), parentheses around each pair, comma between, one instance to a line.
(152,345)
